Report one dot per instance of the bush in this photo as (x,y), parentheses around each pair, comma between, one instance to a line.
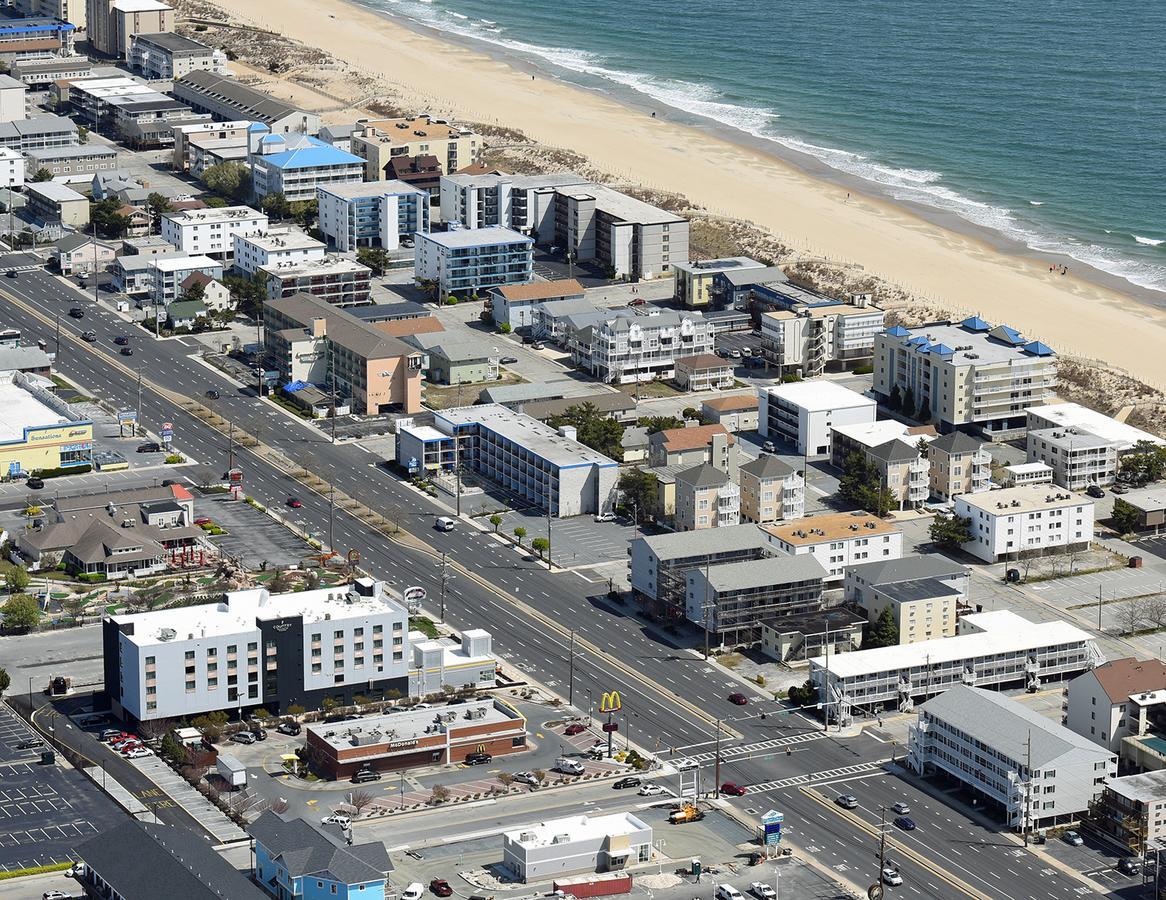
(91,577)
(504,328)
(173,459)
(58,472)
(36,870)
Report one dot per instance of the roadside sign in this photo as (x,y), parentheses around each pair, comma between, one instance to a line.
(167,432)
(610,702)
(127,415)
(771,823)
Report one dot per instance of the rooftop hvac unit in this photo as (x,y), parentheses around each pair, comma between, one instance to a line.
(870,524)
(167,634)
(854,527)
(561,839)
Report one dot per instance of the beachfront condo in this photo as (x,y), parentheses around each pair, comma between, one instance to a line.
(371,214)
(470,261)
(377,141)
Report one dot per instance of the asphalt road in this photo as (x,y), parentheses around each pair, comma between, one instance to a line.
(671,697)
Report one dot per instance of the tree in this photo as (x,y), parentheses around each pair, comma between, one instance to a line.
(495,520)
(895,400)
(42,174)
(1144,463)
(375,258)
(5,680)
(1129,615)
(172,749)
(592,428)
(540,545)
(1125,517)
(520,533)
(1154,609)
(275,205)
(504,777)
(862,484)
(15,577)
(230,180)
(21,612)
(360,800)
(248,293)
(157,204)
(74,606)
(656,424)
(639,491)
(439,795)
(951,531)
(539,775)
(197,291)
(908,406)
(106,219)
(884,632)
(82,134)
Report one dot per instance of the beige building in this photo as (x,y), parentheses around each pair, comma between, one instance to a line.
(958,464)
(733,413)
(902,470)
(52,202)
(694,280)
(771,491)
(1133,810)
(807,338)
(113,23)
(67,10)
(376,141)
(923,609)
(703,372)
(710,444)
(706,498)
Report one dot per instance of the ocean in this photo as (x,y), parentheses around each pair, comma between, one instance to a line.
(1043,121)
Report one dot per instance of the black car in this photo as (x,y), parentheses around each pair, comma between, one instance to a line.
(77,312)
(11,273)
(35,483)
(89,337)
(477,759)
(260,733)
(121,340)
(1095,491)
(30,744)
(508,360)
(292,728)
(626,783)
(127,351)
(1129,865)
(150,447)
(365,775)
(213,395)
(905,823)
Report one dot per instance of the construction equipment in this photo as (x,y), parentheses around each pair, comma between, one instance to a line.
(688,812)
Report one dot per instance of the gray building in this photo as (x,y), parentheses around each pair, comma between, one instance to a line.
(576,845)
(39,74)
(623,347)
(167,55)
(1077,456)
(227,99)
(75,163)
(451,360)
(1035,772)
(38,133)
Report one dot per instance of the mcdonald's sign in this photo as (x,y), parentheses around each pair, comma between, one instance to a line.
(610,702)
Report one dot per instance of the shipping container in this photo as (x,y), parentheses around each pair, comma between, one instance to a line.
(606,885)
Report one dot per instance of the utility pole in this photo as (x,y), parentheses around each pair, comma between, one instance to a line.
(57,350)
(707,604)
(95,269)
(1098,601)
(550,563)
(457,464)
(332,369)
(882,843)
(260,351)
(331,518)
(444,580)
(230,443)
(1028,790)
(826,683)
(139,420)
(717,765)
(571,674)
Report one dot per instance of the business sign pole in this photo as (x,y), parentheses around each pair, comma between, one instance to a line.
(610,703)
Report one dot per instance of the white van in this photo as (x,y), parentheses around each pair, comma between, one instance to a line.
(443,523)
(569,766)
(728,892)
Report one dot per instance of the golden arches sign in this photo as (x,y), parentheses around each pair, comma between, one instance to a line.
(610,702)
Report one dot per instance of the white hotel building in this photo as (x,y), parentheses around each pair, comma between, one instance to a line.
(211,232)
(371,214)
(1032,519)
(255,649)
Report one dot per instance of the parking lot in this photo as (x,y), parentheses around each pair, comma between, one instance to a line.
(46,811)
(13,733)
(253,536)
(578,541)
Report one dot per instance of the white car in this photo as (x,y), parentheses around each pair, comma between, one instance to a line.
(605,517)
(901,809)
(415,891)
(525,778)
(651,790)
(762,891)
(338,819)
(139,752)
(892,877)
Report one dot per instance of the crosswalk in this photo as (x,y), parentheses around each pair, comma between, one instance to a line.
(815,777)
(745,750)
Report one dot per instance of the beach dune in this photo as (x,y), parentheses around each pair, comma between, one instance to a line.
(952,269)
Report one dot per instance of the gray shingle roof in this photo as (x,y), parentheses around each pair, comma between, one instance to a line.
(781,569)
(957,442)
(730,538)
(768,466)
(344,328)
(894,451)
(703,476)
(909,568)
(306,850)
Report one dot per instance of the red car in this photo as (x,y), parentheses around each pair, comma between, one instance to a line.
(203,520)
(574,729)
(294,502)
(738,699)
(733,790)
(440,887)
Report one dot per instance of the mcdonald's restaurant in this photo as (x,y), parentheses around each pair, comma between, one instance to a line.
(412,738)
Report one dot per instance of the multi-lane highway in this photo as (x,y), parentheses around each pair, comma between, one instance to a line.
(671,697)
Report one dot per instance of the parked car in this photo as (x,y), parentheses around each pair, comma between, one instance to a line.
(77,870)
(363,776)
(138,753)
(651,790)
(150,447)
(478,759)
(30,744)
(723,353)
(259,732)
(89,337)
(56,895)
(905,823)
(243,737)
(605,517)
(525,778)
(508,360)
(738,699)
(35,483)
(537,345)
(901,808)
(732,789)
(109,734)
(1129,865)
(891,876)
(631,781)
(292,728)
(762,891)
(440,887)
(769,447)
(1073,839)
(343,821)
(413,892)
(204,520)
(574,728)
(294,502)
(847,801)
(1120,489)
(1095,491)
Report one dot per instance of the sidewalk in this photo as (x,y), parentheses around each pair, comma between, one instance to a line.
(200,808)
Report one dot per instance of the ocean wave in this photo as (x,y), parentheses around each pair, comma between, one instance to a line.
(1036,203)
(1149,242)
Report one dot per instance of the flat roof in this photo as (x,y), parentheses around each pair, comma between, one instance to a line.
(211,216)
(1147,499)
(620,205)
(972,342)
(164,262)
(22,410)
(412,724)
(58,193)
(872,434)
(1023,498)
(728,539)
(832,527)
(462,238)
(328,265)
(1074,415)
(713,266)
(73,152)
(281,240)
(1002,631)
(1028,468)
(528,433)
(1144,787)
(1071,438)
(754,573)
(576,828)
(428,126)
(175,43)
(541,290)
(358,190)
(819,396)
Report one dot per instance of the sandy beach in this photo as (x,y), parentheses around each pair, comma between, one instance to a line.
(958,271)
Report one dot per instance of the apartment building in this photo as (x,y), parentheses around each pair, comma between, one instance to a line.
(736,413)
(958,464)
(466,262)
(1032,772)
(660,563)
(805,413)
(965,376)
(308,339)
(838,540)
(1025,521)
(165,274)
(1025,473)
(38,133)
(374,214)
(296,165)
(72,11)
(35,37)
(257,649)
(686,447)
(736,598)
(805,340)
(476,201)
(378,141)
(514,305)
(1073,415)
(164,57)
(621,347)
(335,279)
(996,650)
(1078,458)
(211,232)
(71,163)
(228,100)
(13,101)
(264,247)
(1132,810)
(38,74)
(11,168)
(126,109)
(545,466)
(112,24)
(706,498)
(922,609)
(49,201)
(694,280)
(903,472)
(704,372)
(1102,703)
(863,580)
(771,491)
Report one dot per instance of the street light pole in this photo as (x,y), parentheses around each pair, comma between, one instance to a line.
(331,518)
(571,674)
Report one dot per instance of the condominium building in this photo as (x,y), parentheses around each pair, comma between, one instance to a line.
(1078,458)
(687,447)
(211,232)
(704,372)
(924,593)
(902,472)
(958,464)
(992,649)
(127,109)
(228,100)
(309,340)
(334,279)
(208,136)
(736,413)
(166,274)
(254,250)
(544,466)
(166,56)
(622,347)
(49,201)
(468,261)
(35,37)
(1132,810)
(694,280)
(11,168)
(378,141)
(1102,704)
(112,24)
(864,437)
(38,133)
(296,165)
(807,339)
(373,214)
(1073,415)
(257,649)
(736,598)
(1025,521)
(38,74)
(706,498)
(71,163)
(72,11)
(838,540)
(805,413)
(13,100)
(771,491)
(660,563)
(1032,772)
(968,375)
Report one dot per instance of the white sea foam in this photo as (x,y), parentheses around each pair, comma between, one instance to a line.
(1149,242)
(1036,203)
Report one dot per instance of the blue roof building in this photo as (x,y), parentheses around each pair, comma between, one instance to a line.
(297,164)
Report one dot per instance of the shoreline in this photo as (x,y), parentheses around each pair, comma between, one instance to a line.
(938,258)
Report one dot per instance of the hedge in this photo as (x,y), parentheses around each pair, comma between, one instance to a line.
(64,470)
(91,577)
(37,870)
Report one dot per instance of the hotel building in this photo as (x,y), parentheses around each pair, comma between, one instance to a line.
(1025,521)
(211,232)
(623,347)
(378,141)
